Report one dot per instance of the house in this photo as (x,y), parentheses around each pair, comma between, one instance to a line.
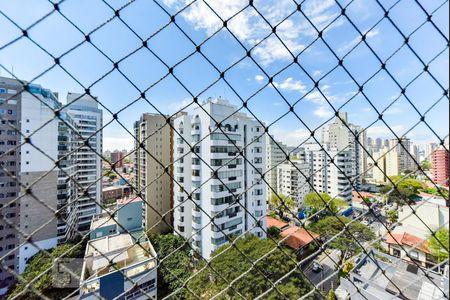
(359,200)
(273,222)
(119,266)
(299,238)
(402,243)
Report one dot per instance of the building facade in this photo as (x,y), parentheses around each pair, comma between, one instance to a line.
(292,181)
(341,135)
(276,154)
(153,170)
(220,177)
(88,118)
(117,159)
(440,166)
(331,170)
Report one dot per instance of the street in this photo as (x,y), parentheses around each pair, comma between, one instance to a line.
(329,267)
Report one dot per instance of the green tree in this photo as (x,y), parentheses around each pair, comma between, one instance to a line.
(316,201)
(392,216)
(273,232)
(331,226)
(425,165)
(231,264)
(37,265)
(406,190)
(282,204)
(439,245)
(331,295)
(175,263)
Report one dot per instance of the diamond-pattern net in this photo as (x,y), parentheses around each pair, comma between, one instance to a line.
(293,32)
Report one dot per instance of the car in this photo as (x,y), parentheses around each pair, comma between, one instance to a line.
(364,222)
(317,267)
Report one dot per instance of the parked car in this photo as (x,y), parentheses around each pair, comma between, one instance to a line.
(364,222)
(317,267)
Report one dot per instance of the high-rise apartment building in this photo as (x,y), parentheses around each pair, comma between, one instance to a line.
(153,169)
(292,180)
(331,170)
(392,160)
(429,149)
(30,164)
(88,118)
(30,115)
(219,177)
(440,166)
(344,136)
(117,159)
(276,154)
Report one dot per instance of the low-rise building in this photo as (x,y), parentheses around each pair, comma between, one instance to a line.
(126,217)
(114,192)
(299,239)
(378,276)
(409,247)
(120,266)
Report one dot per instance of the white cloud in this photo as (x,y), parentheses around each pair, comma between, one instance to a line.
(259,78)
(176,106)
(290,137)
(250,28)
(366,109)
(323,112)
(317,73)
(289,84)
(356,40)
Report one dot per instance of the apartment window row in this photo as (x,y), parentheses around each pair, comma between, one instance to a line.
(225,137)
(225,149)
(222,187)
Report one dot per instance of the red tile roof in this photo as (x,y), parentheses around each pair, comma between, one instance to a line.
(362,194)
(272,222)
(408,239)
(129,199)
(298,237)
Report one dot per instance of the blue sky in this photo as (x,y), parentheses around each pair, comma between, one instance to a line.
(144,69)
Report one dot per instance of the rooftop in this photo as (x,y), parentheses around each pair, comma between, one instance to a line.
(298,237)
(102,220)
(272,222)
(129,199)
(407,239)
(115,252)
(114,187)
(384,276)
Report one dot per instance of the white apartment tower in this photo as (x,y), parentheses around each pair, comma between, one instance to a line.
(88,118)
(219,177)
(276,154)
(344,136)
(292,180)
(331,169)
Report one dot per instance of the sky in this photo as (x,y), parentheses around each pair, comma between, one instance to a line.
(245,78)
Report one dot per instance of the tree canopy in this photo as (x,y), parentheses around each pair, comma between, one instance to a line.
(330,226)
(439,245)
(231,264)
(316,201)
(406,190)
(283,204)
(37,265)
(174,267)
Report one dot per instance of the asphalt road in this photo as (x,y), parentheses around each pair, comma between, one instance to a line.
(328,268)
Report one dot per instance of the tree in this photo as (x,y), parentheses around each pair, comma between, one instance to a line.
(425,165)
(331,295)
(37,265)
(283,204)
(273,232)
(405,191)
(175,263)
(439,245)
(392,216)
(230,264)
(331,226)
(316,201)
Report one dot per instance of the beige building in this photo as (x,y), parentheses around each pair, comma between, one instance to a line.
(153,169)
(392,160)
